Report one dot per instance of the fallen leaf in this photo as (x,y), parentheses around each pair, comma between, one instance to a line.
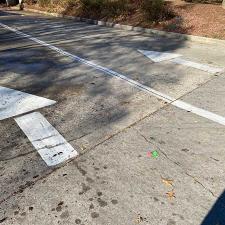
(171,194)
(139,219)
(82,147)
(167,182)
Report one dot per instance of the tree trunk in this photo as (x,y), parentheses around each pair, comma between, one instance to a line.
(223,4)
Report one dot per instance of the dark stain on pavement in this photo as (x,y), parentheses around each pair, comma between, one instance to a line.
(61,203)
(91,206)
(101,202)
(99,193)
(16,212)
(171,222)
(65,90)
(23,214)
(65,214)
(77,221)
(89,180)
(181,217)
(59,207)
(82,171)
(4,219)
(114,201)
(85,188)
(94,215)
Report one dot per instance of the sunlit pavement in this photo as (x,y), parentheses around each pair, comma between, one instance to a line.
(113,124)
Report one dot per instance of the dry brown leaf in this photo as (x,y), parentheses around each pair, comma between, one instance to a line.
(171,194)
(167,182)
(82,147)
(139,219)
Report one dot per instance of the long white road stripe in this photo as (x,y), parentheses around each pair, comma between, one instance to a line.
(15,102)
(50,144)
(198,111)
(199,66)
(178,103)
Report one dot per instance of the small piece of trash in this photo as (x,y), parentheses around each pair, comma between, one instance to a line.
(153,154)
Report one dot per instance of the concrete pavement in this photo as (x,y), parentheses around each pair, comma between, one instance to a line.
(112,125)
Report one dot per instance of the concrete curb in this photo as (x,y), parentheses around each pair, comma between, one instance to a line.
(165,34)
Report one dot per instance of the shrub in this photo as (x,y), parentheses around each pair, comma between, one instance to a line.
(104,8)
(153,10)
(44,3)
(156,10)
(92,6)
(115,7)
(205,1)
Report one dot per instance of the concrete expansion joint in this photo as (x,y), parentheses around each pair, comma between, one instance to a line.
(177,164)
(15,157)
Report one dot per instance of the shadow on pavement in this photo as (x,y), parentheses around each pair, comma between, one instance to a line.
(5,13)
(89,102)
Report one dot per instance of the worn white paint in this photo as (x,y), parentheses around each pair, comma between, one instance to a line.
(49,143)
(163,56)
(200,112)
(178,103)
(199,66)
(13,102)
(159,56)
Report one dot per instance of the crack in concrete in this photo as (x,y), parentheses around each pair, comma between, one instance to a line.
(18,156)
(177,163)
(194,178)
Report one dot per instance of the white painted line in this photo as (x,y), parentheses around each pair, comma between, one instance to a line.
(13,102)
(159,56)
(178,103)
(49,143)
(200,112)
(199,66)
(162,56)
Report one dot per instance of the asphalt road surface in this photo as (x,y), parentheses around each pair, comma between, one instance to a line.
(113,107)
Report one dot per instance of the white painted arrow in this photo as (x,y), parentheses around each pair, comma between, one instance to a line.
(163,56)
(14,103)
(49,143)
(159,56)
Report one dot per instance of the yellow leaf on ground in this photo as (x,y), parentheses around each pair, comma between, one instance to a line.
(167,182)
(171,194)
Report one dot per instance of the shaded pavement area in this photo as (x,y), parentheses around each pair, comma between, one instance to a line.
(113,126)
